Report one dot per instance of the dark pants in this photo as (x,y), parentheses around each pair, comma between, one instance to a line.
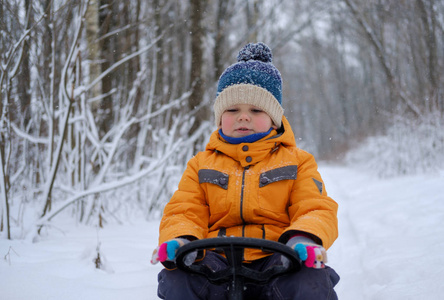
(307,284)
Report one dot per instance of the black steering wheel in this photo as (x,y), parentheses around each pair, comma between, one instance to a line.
(236,274)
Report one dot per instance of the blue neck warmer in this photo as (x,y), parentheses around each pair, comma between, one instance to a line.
(245,139)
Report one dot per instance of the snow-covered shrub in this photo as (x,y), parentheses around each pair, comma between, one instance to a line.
(408,147)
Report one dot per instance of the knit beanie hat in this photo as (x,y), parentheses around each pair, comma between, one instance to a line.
(252,80)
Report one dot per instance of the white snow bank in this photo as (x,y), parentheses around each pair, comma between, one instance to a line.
(62,266)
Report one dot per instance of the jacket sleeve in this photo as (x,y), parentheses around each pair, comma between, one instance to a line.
(311,210)
(187,213)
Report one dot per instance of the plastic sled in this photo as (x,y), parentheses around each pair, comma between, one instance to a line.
(236,274)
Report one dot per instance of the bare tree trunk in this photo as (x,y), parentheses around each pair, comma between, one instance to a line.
(92,35)
(158,87)
(4,213)
(51,179)
(196,79)
(133,46)
(181,47)
(106,103)
(428,19)
(4,192)
(24,77)
(222,17)
(12,61)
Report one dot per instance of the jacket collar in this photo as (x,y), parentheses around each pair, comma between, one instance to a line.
(251,153)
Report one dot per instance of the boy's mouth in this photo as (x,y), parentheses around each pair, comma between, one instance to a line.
(243,130)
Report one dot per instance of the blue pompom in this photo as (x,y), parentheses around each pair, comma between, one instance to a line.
(172,247)
(301,249)
(259,51)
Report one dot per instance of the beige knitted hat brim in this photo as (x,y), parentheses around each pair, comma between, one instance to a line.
(248,94)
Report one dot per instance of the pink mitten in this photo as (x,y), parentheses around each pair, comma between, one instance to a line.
(313,255)
(167,251)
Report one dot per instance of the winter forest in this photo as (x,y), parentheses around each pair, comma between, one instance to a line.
(103,102)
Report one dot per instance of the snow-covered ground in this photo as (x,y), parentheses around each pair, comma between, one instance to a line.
(390,247)
(391,235)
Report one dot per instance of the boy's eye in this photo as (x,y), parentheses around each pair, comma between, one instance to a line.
(232,110)
(256,110)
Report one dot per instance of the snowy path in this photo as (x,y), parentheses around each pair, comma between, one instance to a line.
(390,247)
(347,248)
(391,235)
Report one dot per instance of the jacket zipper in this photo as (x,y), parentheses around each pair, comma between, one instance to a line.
(242,200)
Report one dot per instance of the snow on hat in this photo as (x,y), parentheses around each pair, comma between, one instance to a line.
(252,80)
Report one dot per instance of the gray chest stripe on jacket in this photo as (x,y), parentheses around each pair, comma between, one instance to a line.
(284,173)
(214,177)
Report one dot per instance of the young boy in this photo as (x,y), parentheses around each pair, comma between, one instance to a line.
(251,181)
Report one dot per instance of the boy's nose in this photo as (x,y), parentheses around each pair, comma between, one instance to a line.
(244,117)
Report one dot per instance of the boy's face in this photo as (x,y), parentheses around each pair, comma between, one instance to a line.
(244,119)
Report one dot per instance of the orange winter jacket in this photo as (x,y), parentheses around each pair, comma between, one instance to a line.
(267,189)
